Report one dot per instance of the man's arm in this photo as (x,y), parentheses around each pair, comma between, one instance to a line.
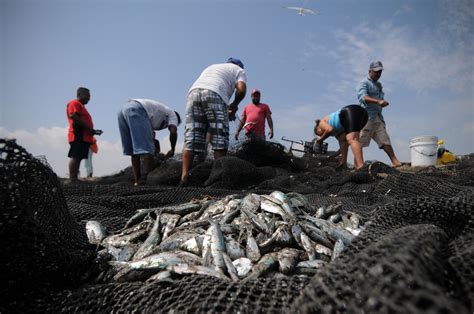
(173,139)
(240,90)
(270,125)
(77,120)
(241,125)
(363,94)
(327,129)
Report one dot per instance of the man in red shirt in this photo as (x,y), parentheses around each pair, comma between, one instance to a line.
(253,118)
(81,131)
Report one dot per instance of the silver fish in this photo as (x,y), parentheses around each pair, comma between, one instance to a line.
(162,276)
(124,253)
(143,269)
(251,249)
(153,240)
(271,207)
(170,225)
(332,230)
(206,248)
(95,231)
(308,246)
(296,233)
(196,214)
(230,268)
(227,218)
(234,249)
(138,217)
(335,218)
(217,247)
(286,203)
(267,263)
(281,237)
(338,248)
(119,240)
(321,249)
(181,209)
(175,240)
(316,234)
(249,206)
(185,269)
(243,266)
(192,245)
(287,260)
(311,264)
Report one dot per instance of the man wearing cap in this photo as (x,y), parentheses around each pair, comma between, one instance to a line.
(253,118)
(208,110)
(371,97)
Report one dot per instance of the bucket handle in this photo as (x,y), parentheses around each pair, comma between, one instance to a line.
(421,153)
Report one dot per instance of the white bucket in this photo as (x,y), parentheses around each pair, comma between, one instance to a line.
(424,150)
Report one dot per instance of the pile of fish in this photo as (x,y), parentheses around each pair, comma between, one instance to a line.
(237,239)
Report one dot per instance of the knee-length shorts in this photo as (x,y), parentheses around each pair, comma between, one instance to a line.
(206,112)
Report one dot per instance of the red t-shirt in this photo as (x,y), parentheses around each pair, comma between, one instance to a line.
(254,116)
(76,132)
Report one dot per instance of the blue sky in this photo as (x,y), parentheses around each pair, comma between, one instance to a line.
(305,66)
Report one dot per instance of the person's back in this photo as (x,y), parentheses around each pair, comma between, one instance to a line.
(221,79)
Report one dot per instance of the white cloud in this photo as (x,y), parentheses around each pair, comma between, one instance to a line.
(52,143)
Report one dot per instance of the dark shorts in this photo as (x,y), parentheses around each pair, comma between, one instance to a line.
(353,118)
(79,150)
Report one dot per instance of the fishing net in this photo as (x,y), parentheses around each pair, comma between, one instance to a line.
(415,255)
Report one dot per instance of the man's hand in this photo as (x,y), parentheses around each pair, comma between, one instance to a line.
(383,103)
(232,110)
(270,134)
(96,132)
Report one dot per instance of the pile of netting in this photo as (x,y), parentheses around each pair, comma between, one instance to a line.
(416,255)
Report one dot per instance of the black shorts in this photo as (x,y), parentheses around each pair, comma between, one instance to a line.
(79,150)
(353,118)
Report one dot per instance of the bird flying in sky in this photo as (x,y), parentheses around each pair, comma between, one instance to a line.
(302,11)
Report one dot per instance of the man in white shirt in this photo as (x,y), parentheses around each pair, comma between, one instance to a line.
(138,120)
(208,110)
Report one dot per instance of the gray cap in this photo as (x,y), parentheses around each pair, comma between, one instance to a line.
(376,66)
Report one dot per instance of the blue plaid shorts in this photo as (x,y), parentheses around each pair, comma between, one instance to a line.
(206,112)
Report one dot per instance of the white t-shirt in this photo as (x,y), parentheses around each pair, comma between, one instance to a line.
(160,115)
(221,79)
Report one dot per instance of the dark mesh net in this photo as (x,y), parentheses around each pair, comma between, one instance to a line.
(415,255)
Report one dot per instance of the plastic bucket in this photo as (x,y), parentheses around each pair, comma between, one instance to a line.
(424,150)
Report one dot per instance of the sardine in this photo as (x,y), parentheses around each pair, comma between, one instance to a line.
(273,208)
(315,234)
(151,242)
(308,246)
(119,240)
(243,266)
(170,225)
(311,264)
(281,237)
(95,231)
(287,260)
(249,205)
(267,263)
(234,249)
(217,247)
(162,276)
(338,248)
(286,203)
(332,230)
(230,268)
(192,245)
(175,240)
(185,269)
(251,249)
(181,209)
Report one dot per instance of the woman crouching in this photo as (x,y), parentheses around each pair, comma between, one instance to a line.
(344,124)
